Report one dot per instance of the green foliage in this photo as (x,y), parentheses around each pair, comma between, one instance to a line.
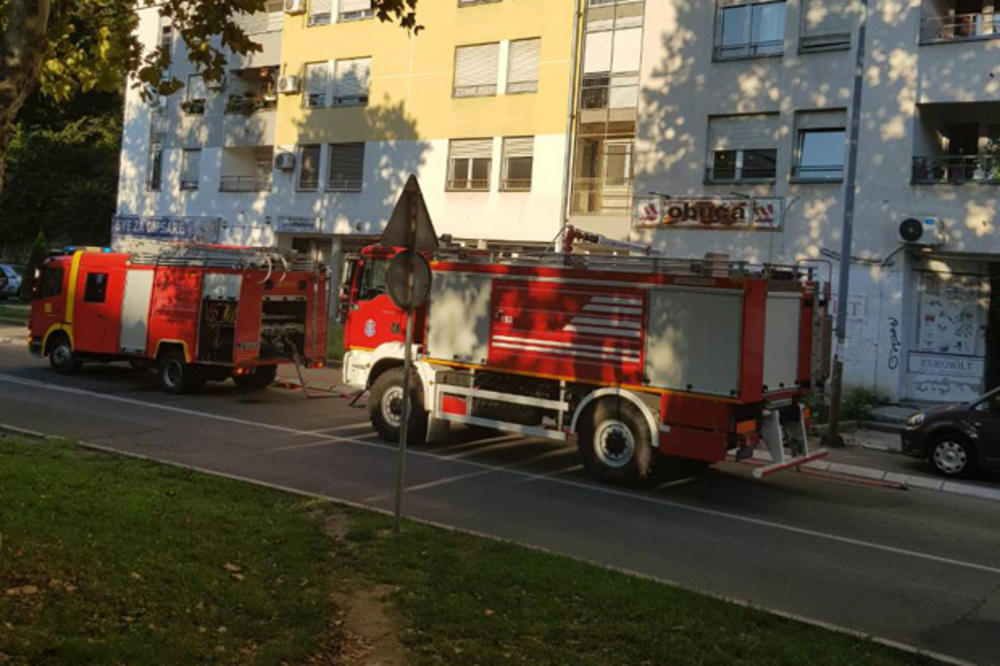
(858,403)
(39,250)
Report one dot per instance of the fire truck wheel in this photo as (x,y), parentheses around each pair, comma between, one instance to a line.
(176,374)
(61,356)
(385,407)
(615,443)
(261,377)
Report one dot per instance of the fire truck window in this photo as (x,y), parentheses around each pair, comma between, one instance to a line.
(373,279)
(52,281)
(96,289)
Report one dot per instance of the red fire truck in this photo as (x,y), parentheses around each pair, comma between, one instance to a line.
(198,313)
(637,357)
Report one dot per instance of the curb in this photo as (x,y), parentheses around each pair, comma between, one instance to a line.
(904,481)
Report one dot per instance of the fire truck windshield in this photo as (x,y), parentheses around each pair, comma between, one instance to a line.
(373,279)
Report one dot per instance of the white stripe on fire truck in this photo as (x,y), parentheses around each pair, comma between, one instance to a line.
(614,332)
(557,343)
(602,321)
(612,309)
(617,300)
(569,352)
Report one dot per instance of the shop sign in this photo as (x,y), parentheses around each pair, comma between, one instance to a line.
(708,213)
(190,229)
(943,365)
(301,225)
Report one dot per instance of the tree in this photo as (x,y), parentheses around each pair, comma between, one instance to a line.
(39,251)
(69,46)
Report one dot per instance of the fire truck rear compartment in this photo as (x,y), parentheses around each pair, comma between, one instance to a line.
(282,327)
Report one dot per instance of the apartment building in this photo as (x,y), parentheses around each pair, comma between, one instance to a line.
(698,127)
(308,143)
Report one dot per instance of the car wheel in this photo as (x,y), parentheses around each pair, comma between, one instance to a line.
(385,407)
(177,376)
(61,357)
(615,445)
(953,456)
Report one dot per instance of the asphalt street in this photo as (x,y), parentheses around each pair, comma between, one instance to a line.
(917,567)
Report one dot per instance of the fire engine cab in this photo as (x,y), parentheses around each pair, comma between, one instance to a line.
(198,313)
(638,358)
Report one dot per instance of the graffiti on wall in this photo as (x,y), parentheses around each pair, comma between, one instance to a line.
(951,316)
(895,345)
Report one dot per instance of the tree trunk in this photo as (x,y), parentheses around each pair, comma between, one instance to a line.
(22,49)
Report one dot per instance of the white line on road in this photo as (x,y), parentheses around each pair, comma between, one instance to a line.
(528,476)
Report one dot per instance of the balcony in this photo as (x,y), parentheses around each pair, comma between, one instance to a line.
(959,28)
(602,196)
(955,169)
(245,183)
(246,169)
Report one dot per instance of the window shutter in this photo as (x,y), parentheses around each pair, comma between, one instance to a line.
(351,79)
(628,44)
(347,161)
(316,83)
(523,68)
(320,11)
(476,67)
(519,146)
(354,6)
(190,168)
(744,132)
(826,17)
(832,119)
(597,52)
(471,148)
(196,87)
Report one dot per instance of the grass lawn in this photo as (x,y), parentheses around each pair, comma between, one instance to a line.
(335,341)
(110,560)
(14,313)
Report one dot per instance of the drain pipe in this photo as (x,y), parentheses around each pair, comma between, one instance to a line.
(570,115)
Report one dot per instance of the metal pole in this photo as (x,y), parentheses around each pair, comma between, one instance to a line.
(411,211)
(836,385)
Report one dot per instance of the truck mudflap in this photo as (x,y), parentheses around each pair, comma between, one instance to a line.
(786,452)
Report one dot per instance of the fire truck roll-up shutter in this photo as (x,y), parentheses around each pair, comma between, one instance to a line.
(781,341)
(135,311)
(693,340)
(458,320)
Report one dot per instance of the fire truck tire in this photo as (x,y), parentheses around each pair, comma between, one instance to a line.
(176,375)
(61,357)
(386,404)
(615,443)
(261,377)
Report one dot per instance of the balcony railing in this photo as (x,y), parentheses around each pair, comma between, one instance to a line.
(245,184)
(609,196)
(260,22)
(956,169)
(960,27)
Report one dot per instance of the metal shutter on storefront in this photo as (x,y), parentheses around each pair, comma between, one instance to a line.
(351,78)
(347,161)
(476,68)
(743,132)
(523,67)
(471,148)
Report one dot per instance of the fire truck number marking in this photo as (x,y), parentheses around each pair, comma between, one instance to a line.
(502,317)
(370,328)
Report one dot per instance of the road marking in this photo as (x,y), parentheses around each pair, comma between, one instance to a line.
(528,476)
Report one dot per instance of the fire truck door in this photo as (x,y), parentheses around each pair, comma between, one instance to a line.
(98,302)
(374,319)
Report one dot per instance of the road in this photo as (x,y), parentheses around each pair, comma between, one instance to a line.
(916,567)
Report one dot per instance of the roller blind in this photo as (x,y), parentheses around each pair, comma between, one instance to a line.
(523,67)
(317,78)
(347,162)
(627,45)
(320,11)
(826,17)
(832,119)
(351,78)
(743,132)
(476,66)
(196,87)
(190,167)
(354,5)
(597,52)
(519,146)
(471,148)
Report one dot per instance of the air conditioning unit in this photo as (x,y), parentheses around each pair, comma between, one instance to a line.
(217,84)
(284,161)
(922,231)
(295,6)
(289,85)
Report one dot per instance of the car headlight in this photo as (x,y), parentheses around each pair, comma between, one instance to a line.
(915,420)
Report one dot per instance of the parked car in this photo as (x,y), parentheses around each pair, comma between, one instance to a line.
(10,286)
(957,439)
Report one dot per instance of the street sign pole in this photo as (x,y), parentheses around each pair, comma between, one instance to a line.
(404,428)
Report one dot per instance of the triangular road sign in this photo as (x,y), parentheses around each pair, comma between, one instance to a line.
(410,225)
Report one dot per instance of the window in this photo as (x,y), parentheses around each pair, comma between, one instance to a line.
(750,29)
(469,163)
(611,68)
(316,84)
(742,147)
(517,163)
(196,94)
(190,168)
(320,12)
(820,139)
(372,281)
(522,67)
(826,26)
(355,10)
(476,70)
(347,161)
(154,169)
(52,282)
(96,289)
(309,168)
(350,82)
